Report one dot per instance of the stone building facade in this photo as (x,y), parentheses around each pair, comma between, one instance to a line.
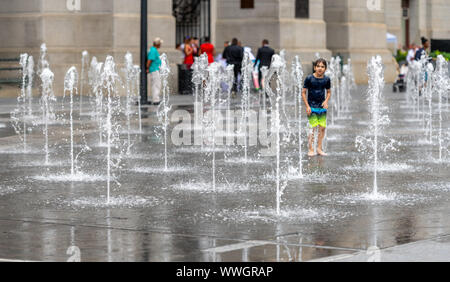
(354,29)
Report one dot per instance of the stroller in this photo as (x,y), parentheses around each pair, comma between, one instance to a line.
(400,83)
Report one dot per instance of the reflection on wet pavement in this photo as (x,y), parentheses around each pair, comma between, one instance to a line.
(173,215)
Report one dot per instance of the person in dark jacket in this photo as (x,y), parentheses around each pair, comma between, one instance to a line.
(264,56)
(422,51)
(234,54)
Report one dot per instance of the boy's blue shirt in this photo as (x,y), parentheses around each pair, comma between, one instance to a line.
(317,90)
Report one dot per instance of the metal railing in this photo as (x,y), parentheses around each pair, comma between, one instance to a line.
(10,80)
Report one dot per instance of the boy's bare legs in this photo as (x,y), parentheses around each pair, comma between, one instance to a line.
(319,143)
(311,152)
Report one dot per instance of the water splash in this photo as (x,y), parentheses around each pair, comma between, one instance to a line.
(277,68)
(76,177)
(18,115)
(246,70)
(161,170)
(30,76)
(84,63)
(47,78)
(43,60)
(211,95)
(429,97)
(164,107)
(205,187)
(297,73)
(264,73)
(114,202)
(110,79)
(99,96)
(378,119)
(135,90)
(441,82)
(70,82)
(129,77)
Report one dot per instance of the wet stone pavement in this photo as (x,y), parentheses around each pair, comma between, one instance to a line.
(175,215)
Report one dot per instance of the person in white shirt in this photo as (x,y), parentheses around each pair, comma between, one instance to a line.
(411,53)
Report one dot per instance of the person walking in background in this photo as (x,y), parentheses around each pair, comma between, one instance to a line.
(196,46)
(411,53)
(422,51)
(188,53)
(182,45)
(234,55)
(264,56)
(208,49)
(153,66)
(219,58)
(179,48)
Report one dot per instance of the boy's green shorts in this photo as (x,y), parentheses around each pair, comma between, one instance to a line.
(318,117)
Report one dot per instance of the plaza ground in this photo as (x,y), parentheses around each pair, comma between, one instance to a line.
(175,215)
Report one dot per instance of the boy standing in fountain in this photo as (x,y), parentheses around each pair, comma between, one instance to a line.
(316,93)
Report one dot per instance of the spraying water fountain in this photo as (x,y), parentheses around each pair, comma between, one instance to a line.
(229,79)
(43,60)
(43,63)
(428,95)
(254,189)
(99,108)
(70,82)
(297,73)
(264,73)
(84,63)
(30,76)
(18,115)
(110,80)
(378,120)
(211,96)
(347,85)
(47,78)
(246,71)
(164,107)
(135,90)
(441,85)
(129,73)
(92,79)
(276,68)
(199,76)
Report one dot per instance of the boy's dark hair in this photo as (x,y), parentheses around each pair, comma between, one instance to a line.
(265,41)
(321,60)
(206,38)
(234,41)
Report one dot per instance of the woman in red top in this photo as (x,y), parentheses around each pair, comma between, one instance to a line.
(208,48)
(188,53)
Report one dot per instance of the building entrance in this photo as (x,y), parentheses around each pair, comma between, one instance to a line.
(193,19)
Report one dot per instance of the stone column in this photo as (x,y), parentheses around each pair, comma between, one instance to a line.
(250,26)
(68,30)
(393,19)
(438,19)
(98,26)
(126,31)
(274,20)
(357,32)
(418,20)
(21,32)
(304,37)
